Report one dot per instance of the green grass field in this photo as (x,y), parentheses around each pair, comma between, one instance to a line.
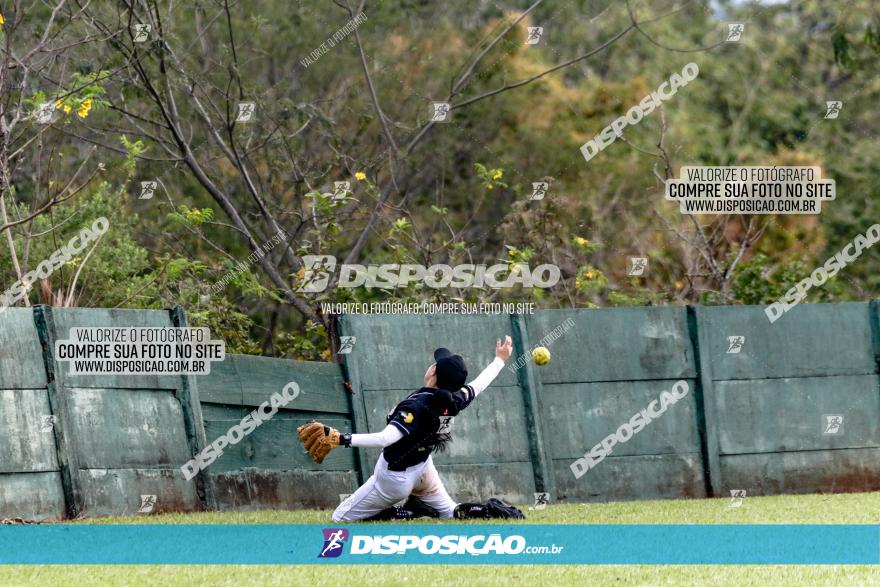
(859,508)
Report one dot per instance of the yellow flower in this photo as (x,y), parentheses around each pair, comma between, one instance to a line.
(326,354)
(84,108)
(360,176)
(489,187)
(67,108)
(581,240)
(58,104)
(497,174)
(2,20)
(74,262)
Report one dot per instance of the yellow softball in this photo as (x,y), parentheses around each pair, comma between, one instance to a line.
(541,356)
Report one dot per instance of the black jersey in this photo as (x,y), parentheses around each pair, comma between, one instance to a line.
(425,419)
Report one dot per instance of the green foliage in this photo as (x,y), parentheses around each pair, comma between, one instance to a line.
(491,178)
(191,217)
(227,322)
(133,150)
(243,278)
(643,298)
(310,345)
(584,245)
(842,49)
(461,196)
(851,56)
(82,96)
(401,225)
(515,255)
(589,278)
(760,281)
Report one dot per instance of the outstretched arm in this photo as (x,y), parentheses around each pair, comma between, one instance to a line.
(393,433)
(387,437)
(485,379)
(319,439)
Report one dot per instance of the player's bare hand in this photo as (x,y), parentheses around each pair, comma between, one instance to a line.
(503,351)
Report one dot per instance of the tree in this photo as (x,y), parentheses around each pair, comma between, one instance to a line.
(184,88)
(46,94)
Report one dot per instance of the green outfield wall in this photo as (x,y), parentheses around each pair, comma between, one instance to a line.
(269,469)
(78,445)
(94,445)
(754,418)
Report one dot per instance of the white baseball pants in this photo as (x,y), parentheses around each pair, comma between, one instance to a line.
(385,488)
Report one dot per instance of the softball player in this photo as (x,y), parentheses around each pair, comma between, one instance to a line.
(417,426)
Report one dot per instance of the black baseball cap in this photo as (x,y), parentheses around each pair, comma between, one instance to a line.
(451,371)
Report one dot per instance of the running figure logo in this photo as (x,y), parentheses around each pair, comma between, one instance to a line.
(148,504)
(535,33)
(141,32)
(735,344)
(542,498)
(539,190)
(45,113)
(734,32)
(148,189)
(833,424)
(334,539)
(346,344)
(637,266)
(832,109)
(47,423)
(736,498)
(340,190)
(441,111)
(245,111)
(315,273)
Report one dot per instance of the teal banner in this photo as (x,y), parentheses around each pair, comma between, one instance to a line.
(440,544)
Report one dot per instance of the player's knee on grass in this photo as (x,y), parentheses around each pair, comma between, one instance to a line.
(344,512)
(439,501)
(447,512)
(346,515)
(339,515)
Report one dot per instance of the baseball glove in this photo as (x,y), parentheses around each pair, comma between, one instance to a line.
(500,509)
(494,508)
(318,439)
